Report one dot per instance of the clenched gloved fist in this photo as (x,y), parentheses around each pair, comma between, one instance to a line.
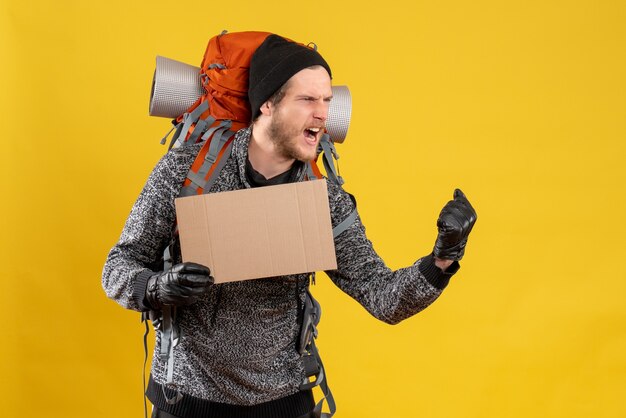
(455,222)
(181,285)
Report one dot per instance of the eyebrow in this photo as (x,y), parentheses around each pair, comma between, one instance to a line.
(302,96)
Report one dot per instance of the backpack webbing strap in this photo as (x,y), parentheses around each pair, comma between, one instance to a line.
(167,333)
(176,126)
(311,360)
(218,148)
(144,318)
(170,335)
(200,127)
(218,140)
(188,120)
(220,164)
(166,318)
(209,132)
(343,225)
(312,172)
(309,170)
(328,395)
(330,154)
(179,127)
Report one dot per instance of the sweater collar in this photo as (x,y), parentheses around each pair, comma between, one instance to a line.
(240,153)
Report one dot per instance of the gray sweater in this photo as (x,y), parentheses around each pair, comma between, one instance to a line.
(238,345)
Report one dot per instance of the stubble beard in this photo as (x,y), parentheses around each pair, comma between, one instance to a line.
(285,139)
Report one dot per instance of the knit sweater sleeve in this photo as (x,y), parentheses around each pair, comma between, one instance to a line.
(388,295)
(148,230)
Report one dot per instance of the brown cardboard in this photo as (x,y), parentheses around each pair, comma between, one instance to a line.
(261,232)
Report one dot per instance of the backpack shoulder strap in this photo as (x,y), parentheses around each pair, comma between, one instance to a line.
(311,360)
(329,157)
(203,172)
(209,162)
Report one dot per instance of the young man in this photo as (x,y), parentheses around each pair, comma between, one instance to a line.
(237,354)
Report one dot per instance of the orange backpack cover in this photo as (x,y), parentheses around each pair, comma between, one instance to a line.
(224,72)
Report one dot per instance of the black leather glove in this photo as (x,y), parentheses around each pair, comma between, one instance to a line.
(455,222)
(181,285)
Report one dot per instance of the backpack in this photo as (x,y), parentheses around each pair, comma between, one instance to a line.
(219,106)
(221,109)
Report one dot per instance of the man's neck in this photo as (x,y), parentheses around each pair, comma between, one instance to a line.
(263,156)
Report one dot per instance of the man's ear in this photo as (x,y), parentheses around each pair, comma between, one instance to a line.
(267,108)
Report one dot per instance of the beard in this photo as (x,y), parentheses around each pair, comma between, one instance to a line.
(285,137)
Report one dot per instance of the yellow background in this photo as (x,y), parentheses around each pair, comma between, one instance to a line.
(521,104)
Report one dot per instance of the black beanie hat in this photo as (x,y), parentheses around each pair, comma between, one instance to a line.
(274,62)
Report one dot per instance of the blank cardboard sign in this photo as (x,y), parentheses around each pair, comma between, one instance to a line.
(261,232)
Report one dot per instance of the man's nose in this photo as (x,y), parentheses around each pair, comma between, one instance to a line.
(321,110)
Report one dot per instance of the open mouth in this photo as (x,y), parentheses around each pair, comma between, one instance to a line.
(311,134)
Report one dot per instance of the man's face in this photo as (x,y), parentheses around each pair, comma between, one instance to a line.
(298,120)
